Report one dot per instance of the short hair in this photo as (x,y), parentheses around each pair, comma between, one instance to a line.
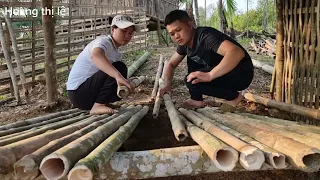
(176,15)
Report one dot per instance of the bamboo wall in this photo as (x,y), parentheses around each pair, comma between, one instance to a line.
(301,73)
(78,24)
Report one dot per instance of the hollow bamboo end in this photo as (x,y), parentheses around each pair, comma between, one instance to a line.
(181,135)
(54,167)
(26,168)
(251,158)
(123,92)
(80,172)
(278,161)
(226,158)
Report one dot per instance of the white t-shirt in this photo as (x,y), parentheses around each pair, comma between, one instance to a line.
(83,67)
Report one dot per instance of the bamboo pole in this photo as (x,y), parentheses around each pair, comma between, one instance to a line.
(157,103)
(299,136)
(223,156)
(37,119)
(185,160)
(158,75)
(42,130)
(300,155)
(291,108)
(123,91)
(49,122)
(279,52)
(90,166)
(265,67)
(273,157)
(136,65)
(17,57)
(177,126)
(57,164)
(28,166)
(9,64)
(251,158)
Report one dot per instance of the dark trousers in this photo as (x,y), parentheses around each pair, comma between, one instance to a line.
(225,87)
(99,88)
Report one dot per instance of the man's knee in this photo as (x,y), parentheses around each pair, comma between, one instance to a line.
(121,67)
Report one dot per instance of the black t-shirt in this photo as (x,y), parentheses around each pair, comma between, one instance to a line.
(206,42)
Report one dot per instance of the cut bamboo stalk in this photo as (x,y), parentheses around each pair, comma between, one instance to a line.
(313,142)
(300,155)
(223,156)
(89,166)
(306,130)
(123,91)
(11,153)
(251,158)
(38,119)
(265,67)
(273,157)
(157,103)
(177,126)
(28,166)
(17,57)
(7,58)
(43,129)
(136,65)
(158,75)
(292,108)
(57,164)
(49,122)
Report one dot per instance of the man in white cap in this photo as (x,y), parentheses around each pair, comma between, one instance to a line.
(99,70)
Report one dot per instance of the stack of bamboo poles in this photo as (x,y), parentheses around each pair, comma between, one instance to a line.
(68,141)
(257,139)
(265,46)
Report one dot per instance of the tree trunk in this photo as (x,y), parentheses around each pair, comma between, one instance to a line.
(196,9)
(247,18)
(221,16)
(48,25)
(92,163)
(7,57)
(17,58)
(279,51)
(205,12)
(189,8)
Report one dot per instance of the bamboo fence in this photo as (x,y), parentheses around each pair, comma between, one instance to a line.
(77,23)
(300,81)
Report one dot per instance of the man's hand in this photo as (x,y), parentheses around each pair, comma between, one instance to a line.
(198,76)
(121,81)
(165,89)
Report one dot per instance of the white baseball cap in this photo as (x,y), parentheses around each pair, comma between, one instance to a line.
(124,21)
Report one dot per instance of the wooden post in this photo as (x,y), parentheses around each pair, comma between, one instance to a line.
(9,64)
(17,57)
(279,51)
(48,25)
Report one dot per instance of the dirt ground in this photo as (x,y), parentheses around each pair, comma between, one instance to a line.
(156,133)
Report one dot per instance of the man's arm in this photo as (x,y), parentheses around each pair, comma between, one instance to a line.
(174,61)
(232,53)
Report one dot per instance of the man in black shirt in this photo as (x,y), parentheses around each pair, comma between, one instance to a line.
(218,66)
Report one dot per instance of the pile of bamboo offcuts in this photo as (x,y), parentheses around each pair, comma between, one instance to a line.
(68,143)
(264,46)
(250,139)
